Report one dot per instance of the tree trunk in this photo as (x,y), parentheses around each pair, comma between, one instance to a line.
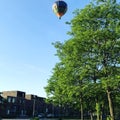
(81,106)
(91,116)
(101,116)
(110,105)
(98,110)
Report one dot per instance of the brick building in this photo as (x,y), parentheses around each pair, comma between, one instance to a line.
(35,104)
(20,104)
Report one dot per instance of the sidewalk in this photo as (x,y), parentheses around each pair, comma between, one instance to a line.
(15,119)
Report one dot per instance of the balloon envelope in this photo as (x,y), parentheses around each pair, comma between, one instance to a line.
(59,8)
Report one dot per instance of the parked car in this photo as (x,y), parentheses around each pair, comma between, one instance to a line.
(23,116)
(41,115)
(50,115)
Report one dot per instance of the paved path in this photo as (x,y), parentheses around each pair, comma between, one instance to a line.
(15,119)
(29,119)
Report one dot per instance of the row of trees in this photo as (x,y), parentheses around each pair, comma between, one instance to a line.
(87,76)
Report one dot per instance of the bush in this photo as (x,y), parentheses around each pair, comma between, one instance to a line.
(36,118)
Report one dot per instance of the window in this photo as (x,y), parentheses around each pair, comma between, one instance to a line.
(22,112)
(14,109)
(8,112)
(9,99)
(23,95)
(13,100)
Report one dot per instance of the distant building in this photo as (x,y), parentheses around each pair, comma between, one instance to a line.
(2,106)
(15,103)
(19,94)
(35,104)
(19,104)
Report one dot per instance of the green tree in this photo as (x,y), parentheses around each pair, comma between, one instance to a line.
(90,58)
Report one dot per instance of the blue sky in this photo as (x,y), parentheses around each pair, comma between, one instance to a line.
(27,29)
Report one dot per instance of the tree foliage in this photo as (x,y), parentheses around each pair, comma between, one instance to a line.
(89,63)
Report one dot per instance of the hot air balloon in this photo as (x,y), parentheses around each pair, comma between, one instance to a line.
(59,8)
